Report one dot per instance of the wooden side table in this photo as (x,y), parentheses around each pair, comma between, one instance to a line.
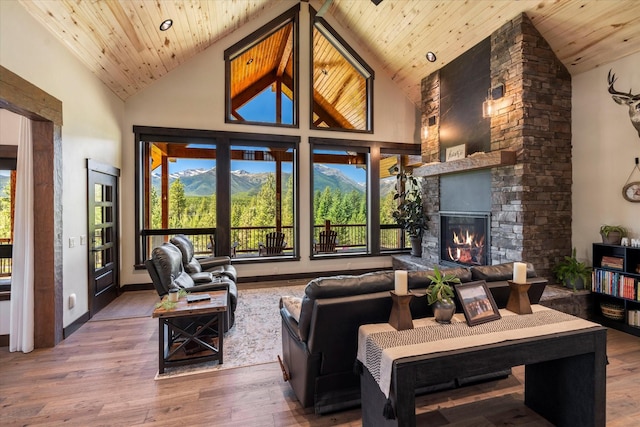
(197,326)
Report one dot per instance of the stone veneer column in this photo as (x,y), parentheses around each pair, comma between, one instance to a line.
(430,87)
(531,200)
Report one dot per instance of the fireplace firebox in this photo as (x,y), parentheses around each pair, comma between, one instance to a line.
(464,238)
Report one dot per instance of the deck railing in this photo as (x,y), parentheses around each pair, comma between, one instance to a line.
(245,241)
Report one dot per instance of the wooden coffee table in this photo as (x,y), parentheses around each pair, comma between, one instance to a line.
(192,332)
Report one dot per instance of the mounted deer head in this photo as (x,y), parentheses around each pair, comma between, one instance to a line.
(633,101)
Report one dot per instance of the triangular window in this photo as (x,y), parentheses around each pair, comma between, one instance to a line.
(342,90)
(262,75)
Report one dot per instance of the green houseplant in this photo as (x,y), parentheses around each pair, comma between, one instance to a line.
(440,294)
(612,234)
(573,273)
(409,214)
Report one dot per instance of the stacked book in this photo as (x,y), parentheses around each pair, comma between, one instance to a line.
(612,262)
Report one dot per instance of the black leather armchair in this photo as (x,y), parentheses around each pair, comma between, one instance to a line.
(167,272)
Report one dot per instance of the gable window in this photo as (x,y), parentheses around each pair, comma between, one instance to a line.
(342,90)
(261,75)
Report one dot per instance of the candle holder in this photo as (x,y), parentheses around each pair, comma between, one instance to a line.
(519,298)
(400,317)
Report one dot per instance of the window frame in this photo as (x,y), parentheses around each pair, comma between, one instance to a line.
(373,191)
(223,141)
(251,40)
(351,56)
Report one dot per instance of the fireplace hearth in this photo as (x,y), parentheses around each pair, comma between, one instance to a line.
(464,238)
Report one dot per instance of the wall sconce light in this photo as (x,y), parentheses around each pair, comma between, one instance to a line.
(425,132)
(431,121)
(493,94)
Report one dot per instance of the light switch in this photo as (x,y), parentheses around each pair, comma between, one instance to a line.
(83,240)
(72,242)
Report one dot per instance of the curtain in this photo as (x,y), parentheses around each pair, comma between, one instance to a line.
(22,296)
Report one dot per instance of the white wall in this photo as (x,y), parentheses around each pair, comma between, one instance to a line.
(192,96)
(92,117)
(605,145)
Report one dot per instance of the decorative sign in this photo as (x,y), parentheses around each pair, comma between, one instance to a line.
(455,153)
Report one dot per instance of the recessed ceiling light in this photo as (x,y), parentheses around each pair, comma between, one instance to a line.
(166,24)
(431,57)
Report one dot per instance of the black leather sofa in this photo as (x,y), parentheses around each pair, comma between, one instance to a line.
(319,345)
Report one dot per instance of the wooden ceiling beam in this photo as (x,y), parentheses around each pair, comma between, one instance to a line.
(285,51)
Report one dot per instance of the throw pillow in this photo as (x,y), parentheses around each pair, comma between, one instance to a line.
(293,306)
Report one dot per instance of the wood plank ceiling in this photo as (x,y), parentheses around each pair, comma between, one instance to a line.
(120,42)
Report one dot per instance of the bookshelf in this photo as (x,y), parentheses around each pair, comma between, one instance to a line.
(615,289)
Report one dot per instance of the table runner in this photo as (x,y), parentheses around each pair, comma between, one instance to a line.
(379,345)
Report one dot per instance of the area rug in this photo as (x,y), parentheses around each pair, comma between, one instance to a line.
(255,337)
(128,305)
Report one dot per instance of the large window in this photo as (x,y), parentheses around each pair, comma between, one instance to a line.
(342,89)
(262,74)
(7,209)
(340,200)
(393,161)
(262,201)
(226,191)
(353,187)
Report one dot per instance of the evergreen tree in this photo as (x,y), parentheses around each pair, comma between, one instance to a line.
(5,212)
(177,204)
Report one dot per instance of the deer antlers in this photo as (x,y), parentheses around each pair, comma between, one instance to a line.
(633,101)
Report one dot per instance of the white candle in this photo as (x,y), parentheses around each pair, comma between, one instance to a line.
(401,282)
(519,272)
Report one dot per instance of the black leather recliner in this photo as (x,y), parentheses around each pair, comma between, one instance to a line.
(167,272)
(220,265)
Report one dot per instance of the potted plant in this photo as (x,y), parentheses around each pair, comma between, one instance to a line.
(409,214)
(612,234)
(440,294)
(573,273)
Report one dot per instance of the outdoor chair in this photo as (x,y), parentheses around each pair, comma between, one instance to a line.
(327,243)
(275,244)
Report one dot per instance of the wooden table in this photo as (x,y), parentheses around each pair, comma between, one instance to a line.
(565,376)
(198,326)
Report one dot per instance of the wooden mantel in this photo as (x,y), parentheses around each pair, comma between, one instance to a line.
(477,161)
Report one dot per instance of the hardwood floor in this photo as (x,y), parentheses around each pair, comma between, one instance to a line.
(104,375)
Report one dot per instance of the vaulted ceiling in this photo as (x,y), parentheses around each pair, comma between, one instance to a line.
(120,42)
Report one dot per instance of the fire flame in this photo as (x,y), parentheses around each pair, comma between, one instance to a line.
(467,247)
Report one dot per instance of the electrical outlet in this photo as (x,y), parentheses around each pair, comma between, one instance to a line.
(72,242)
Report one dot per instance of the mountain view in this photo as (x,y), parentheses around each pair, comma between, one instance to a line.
(201,182)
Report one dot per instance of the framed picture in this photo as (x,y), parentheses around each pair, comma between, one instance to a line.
(477,302)
(631,192)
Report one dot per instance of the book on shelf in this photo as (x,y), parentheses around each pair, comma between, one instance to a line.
(612,262)
(615,284)
(633,318)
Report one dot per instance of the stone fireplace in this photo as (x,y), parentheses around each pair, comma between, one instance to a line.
(521,174)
